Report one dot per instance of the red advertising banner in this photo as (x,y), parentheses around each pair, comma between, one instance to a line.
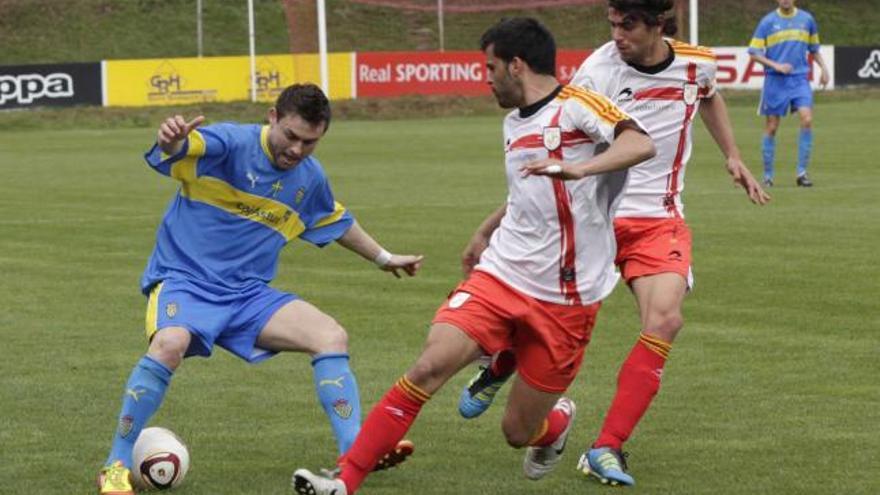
(436,73)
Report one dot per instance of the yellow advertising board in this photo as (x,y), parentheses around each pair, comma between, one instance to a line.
(176,81)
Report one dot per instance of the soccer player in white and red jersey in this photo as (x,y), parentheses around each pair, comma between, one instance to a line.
(547,267)
(664,84)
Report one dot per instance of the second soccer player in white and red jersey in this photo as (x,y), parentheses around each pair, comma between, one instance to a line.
(547,267)
(664,84)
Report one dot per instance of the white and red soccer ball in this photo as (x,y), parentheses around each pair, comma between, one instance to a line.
(160,459)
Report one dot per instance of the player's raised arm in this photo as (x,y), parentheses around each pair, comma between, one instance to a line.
(356,239)
(173,131)
(632,146)
(713,111)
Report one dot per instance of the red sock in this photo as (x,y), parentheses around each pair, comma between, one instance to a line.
(387,423)
(554,424)
(503,364)
(637,384)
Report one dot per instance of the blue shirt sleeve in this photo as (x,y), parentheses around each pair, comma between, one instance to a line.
(204,148)
(814,43)
(759,40)
(325,219)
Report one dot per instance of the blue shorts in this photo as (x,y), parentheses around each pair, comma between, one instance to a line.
(231,319)
(782,94)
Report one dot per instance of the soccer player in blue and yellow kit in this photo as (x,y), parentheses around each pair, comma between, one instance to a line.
(245,192)
(781,43)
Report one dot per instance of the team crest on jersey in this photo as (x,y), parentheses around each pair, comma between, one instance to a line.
(690,93)
(458,299)
(171,309)
(343,408)
(300,194)
(552,138)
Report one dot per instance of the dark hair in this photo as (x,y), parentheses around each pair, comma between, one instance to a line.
(305,100)
(525,38)
(649,12)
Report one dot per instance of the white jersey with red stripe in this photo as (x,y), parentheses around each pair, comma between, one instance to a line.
(666,103)
(556,239)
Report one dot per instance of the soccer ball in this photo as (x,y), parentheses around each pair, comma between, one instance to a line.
(160,459)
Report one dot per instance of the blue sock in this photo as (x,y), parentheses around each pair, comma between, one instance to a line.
(805,147)
(338,392)
(768,149)
(143,396)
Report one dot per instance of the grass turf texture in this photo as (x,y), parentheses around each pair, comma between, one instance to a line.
(771,387)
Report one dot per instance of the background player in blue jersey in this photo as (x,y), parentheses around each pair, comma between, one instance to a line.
(781,43)
(245,192)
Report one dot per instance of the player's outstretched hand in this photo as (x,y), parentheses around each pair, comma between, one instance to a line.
(744,178)
(552,168)
(408,263)
(174,130)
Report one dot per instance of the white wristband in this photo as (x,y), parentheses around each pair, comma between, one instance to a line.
(382,258)
(553,169)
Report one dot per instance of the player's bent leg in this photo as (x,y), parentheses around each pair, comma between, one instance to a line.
(540,421)
(300,326)
(447,350)
(480,392)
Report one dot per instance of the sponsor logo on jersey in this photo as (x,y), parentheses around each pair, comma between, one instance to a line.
(626,94)
(552,138)
(870,70)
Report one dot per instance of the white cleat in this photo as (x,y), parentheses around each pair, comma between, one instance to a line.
(541,460)
(305,482)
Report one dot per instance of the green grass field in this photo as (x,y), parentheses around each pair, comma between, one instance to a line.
(772,386)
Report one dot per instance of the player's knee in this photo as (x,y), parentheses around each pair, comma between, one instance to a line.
(665,325)
(426,374)
(333,338)
(514,433)
(806,121)
(169,346)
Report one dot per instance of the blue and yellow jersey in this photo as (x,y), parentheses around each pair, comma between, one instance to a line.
(235,211)
(786,39)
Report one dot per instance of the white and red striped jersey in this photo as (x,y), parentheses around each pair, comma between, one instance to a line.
(665,100)
(556,239)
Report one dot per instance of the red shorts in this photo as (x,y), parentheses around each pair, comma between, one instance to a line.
(648,246)
(547,339)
